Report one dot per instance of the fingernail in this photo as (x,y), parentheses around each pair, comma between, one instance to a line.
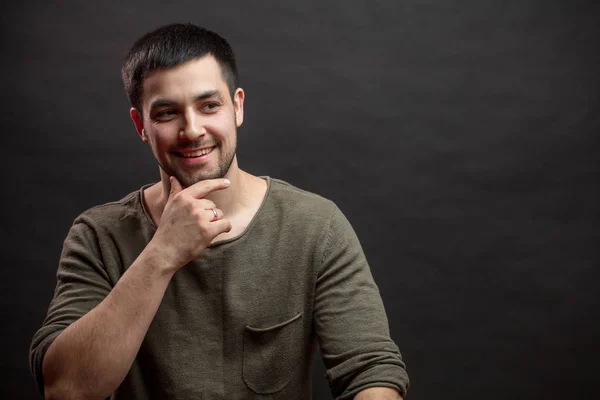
(227,181)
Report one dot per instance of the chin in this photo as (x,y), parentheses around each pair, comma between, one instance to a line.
(187,180)
(190,177)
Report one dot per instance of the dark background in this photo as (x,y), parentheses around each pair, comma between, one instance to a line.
(460,139)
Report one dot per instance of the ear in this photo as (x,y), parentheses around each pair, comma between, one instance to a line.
(136,117)
(238,106)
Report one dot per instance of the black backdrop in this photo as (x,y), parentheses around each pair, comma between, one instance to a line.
(460,138)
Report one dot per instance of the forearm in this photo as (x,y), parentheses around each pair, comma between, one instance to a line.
(378,393)
(92,356)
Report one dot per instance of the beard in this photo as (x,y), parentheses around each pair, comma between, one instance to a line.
(189,178)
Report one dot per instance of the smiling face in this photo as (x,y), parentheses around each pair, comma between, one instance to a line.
(190,120)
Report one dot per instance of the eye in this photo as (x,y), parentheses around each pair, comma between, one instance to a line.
(211,106)
(164,114)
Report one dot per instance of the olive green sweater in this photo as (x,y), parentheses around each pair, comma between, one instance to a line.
(243,320)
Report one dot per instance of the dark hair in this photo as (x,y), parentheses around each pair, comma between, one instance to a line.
(172,45)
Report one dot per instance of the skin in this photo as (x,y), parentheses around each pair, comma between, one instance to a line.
(378,393)
(185,108)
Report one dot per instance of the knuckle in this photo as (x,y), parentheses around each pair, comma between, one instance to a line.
(204,228)
(198,215)
(181,200)
(189,208)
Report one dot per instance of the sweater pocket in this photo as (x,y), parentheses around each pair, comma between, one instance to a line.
(270,355)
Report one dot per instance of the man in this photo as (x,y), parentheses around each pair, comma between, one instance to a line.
(212,283)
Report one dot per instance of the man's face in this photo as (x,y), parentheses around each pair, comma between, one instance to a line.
(190,120)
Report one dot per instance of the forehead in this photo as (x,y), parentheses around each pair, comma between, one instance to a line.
(184,81)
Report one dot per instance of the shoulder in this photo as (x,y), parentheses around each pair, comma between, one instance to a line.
(298,203)
(303,208)
(292,197)
(111,213)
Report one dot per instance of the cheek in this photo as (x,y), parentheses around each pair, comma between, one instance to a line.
(158,145)
(162,135)
(224,128)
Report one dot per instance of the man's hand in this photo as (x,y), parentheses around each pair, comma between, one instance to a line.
(188,224)
(92,356)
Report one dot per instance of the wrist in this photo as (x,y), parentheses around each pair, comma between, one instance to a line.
(158,258)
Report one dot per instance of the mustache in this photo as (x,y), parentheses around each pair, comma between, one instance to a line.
(195,145)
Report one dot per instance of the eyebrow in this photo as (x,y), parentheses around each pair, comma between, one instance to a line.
(201,96)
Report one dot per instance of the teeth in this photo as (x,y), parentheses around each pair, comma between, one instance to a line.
(197,153)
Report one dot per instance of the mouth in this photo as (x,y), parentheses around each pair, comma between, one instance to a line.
(195,153)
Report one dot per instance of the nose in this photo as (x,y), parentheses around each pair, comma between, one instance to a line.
(192,127)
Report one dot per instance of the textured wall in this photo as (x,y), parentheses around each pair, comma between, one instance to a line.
(460,138)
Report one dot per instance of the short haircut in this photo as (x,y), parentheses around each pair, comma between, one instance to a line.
(172,45)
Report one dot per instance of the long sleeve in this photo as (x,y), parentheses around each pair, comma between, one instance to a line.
(350,319)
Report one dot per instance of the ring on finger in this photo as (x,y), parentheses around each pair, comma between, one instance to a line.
(215,214)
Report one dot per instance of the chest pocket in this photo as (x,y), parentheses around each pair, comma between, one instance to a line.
(271,354)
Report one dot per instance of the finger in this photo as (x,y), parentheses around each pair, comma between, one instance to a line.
(221,226)
(202,188)
(214,214)
(175,186)
(205,204)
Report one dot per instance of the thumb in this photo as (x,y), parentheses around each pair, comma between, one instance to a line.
(175,186)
